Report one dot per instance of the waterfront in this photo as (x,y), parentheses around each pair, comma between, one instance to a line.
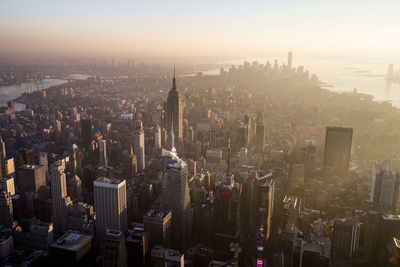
(10,92)
(366,76)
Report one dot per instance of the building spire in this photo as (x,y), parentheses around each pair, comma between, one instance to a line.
(229,154)
(174,81)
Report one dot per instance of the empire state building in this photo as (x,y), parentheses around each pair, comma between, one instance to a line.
(174,112)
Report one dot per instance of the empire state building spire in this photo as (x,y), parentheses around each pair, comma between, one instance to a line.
(174,81)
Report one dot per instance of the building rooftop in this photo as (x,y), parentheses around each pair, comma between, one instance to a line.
(390,217)
(31,166)
(109,181)
(72,241)
(157,213)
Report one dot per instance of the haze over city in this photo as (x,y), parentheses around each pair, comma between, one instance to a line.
(200,28)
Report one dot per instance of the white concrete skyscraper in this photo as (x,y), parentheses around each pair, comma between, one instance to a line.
(110,205)
(139,148)
(60,201)
(175,197)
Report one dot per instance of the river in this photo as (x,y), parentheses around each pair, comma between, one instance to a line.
(10,92)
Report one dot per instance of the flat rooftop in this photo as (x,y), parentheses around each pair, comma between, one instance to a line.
(72,241)
(157,213)
(111,181)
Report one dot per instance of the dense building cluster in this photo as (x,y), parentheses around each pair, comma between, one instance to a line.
(250,167)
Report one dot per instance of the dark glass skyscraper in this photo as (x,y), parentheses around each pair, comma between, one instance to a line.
(337,149)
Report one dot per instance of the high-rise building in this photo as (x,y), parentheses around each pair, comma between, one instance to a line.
(385,186)
(162,256)
(44,161)
(103,153)
(290,57)
(260,138)
(137,245)
(213,137)
(345,240)
(110,205)
(157,224)
(7,184)
(337,149)
(26,156)
(31,178)
(264,197)
(61,203)
(6,209)
(75,249)
(157,138)
(86,133)
(75,159)
(175,197)
(227,210)
(139,148)
(174,112)
(2,157)
(114,251)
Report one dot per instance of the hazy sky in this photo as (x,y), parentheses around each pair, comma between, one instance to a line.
(218,27)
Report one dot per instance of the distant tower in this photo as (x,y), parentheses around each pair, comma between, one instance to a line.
(59,199)
(103,153)
(337,149)
(110,205)
(139,148)
(174,111)
(175,197)
(289,64)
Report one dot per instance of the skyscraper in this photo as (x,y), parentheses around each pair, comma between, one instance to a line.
(115,249)
(227,208)
(44,161)
(103,153)
(289,64)
(175,197)
(86,132)
(174,112)
(6,209)
(345,240)
(60,201)
(2,157)
(385,186)
(260,137)
(337,149)
(139,148)
(157,138)
(31,178)
(158,226)
(110,205)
